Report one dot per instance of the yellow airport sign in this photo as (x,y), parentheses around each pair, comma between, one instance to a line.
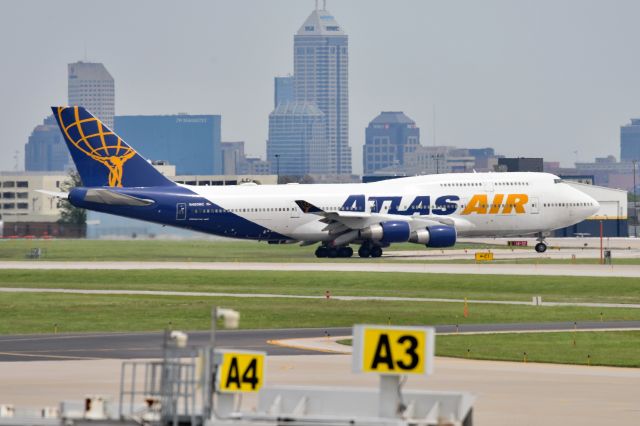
(240,371)
(484,256)
(393,350)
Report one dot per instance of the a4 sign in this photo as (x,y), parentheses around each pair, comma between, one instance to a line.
(393,350)
(239,371)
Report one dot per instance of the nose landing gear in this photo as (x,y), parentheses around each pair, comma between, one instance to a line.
(541,247)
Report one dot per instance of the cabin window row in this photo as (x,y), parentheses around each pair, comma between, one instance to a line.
(250,210)
(568,204)
(457,184)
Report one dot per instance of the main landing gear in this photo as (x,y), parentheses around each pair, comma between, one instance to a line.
(367,250)
(333,252)
(541,247)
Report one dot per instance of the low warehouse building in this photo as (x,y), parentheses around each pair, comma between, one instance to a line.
(612,214)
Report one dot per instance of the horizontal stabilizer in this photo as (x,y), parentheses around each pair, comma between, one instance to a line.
(113,198)
(54,194)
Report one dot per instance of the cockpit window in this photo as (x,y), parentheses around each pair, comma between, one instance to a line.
(557,181)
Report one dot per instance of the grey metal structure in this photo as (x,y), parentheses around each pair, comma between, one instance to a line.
(172,391)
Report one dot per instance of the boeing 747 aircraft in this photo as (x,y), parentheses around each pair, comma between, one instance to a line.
(431,210)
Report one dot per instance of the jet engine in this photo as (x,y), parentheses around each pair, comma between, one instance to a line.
(434,236)
(393,231)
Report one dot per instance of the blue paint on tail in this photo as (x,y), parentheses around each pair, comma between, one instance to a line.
(102,157)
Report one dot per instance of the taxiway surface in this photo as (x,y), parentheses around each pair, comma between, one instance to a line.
(346,266)
(80,346)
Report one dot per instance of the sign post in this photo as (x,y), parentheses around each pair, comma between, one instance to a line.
(392,352)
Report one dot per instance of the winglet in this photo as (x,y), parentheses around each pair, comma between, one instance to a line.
(307,207)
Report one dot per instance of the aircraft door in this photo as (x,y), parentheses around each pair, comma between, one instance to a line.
(534,205)
(295,211)
(181,211)
(488,186)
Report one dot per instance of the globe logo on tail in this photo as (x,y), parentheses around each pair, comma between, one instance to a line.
(96,141)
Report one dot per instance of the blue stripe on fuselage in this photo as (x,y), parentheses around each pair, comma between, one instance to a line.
(165,210)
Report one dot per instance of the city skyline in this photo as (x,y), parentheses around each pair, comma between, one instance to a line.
(534,80)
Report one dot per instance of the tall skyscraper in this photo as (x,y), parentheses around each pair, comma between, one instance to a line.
(630,141)
(388,138)
(283,90)
(46,150)
(91,86)
(321,76)
(189,142)
(297,144)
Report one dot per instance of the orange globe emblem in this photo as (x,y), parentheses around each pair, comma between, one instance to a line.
(99,143)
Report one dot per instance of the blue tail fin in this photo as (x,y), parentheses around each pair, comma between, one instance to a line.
(102,157)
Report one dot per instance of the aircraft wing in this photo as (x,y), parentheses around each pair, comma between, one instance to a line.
(340,222)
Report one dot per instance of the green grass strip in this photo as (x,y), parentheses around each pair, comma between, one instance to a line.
(612,348)
(40,312)
(448,286)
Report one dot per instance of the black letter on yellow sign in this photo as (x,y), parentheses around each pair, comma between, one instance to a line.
(234,374)
(249,375)
(383,358)
(411,351)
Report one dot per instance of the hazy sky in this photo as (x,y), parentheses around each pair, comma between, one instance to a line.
(529,78)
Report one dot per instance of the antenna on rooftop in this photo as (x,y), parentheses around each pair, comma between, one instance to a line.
(434,125)
(324,4)
(316,4)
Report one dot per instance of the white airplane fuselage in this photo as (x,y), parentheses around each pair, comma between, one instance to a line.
(477,204)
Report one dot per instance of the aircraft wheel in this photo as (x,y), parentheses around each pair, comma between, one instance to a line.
(321,251)
(345,251)
(332,252)
(541,247)
(376,251)
(363,251)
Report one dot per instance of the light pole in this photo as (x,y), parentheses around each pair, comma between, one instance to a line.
(277,168)
(635,201)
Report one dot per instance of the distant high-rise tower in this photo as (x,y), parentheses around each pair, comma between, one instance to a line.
(297,144)
(283,90)
(388,138)
(46,150)
(91,86)
(321,68)
(630,141)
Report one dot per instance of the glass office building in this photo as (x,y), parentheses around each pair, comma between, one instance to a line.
(190,142)
(297,144)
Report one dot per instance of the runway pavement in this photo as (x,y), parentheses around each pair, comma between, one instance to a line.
(346,266)
(80,346)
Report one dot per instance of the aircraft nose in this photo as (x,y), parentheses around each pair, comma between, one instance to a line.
(594,206)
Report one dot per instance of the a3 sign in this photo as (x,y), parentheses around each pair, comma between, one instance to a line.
(393,350)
